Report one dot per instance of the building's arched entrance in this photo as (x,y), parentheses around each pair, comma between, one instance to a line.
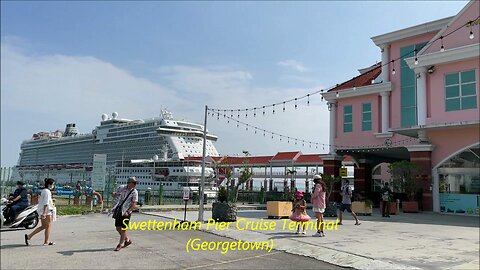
(457,183)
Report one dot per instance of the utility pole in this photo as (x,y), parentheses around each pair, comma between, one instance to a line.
(202,181)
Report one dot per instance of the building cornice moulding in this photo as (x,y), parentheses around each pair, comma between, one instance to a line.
(420,148)
(447,56)
(359,91)
(411,31)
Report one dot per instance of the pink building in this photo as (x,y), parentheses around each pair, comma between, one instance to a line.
(421,103)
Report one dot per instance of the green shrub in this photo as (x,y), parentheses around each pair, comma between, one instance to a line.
(222,195)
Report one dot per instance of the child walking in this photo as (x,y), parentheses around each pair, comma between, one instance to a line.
(318,203)
(299,215)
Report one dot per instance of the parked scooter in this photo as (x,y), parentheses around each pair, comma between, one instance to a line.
(28,218)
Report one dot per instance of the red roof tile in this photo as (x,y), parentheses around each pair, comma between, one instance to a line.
(361,80)
(314,158)
(287,156)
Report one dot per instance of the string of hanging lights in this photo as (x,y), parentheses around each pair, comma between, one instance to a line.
(307,96)
(311,144)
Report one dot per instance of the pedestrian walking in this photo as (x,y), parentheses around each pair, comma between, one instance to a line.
(318,203)
(347,203)
(386,193)
(126,199)
(46,211)
(299,214)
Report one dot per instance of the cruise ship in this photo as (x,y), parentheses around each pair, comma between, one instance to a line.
(173,174)
(68,156)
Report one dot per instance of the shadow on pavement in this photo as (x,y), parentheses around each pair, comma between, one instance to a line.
(12,246)
(71,252)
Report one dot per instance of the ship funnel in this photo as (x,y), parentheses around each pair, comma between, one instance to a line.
(70,130)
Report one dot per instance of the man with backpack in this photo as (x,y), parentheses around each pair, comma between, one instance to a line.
(347,202)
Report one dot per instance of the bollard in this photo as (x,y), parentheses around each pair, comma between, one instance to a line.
(76,200)
(88,200)
(398,206)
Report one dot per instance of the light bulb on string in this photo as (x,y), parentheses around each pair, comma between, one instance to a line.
(255,130)
(263,110)
(246,128)
(295,103)
(273,108)
(442,48)
(231,113)
(218,116)
(238,113)
(284,106)
(393,67)
(471,32)
(321,93)
(263,133)
(254,112)
(246,113)
(308,99)
(337,94)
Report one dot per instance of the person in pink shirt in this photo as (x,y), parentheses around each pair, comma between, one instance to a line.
(318,203)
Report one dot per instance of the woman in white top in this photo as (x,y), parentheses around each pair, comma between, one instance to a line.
(46,212)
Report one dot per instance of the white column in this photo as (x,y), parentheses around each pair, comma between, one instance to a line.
(385,66)
(385,111)
(421,74)
(333,124)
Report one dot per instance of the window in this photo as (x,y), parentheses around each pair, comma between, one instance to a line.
(408,87)
(460,91)
(366,116)
(347,118)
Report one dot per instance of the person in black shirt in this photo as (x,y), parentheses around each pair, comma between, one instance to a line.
(18,201)
(386,193)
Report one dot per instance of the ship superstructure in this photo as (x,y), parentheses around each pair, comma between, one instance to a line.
(68,156)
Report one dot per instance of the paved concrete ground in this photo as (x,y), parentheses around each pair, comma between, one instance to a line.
(406,241)
(87,242)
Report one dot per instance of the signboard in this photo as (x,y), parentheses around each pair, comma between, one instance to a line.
(186,194)
(99,171)
(343,172)
(468,204)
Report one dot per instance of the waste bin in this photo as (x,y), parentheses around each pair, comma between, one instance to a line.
(148,195)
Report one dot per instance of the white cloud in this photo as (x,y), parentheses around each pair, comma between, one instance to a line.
(293,64)
(44,92)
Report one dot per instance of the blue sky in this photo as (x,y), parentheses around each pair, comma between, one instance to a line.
(72,61)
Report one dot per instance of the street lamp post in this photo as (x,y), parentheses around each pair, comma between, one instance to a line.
(202,181)
(155,159)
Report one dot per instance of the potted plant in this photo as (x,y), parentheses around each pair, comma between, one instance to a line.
(362,207)
(404,180)
(330,180)
(225,208)
(222,210)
